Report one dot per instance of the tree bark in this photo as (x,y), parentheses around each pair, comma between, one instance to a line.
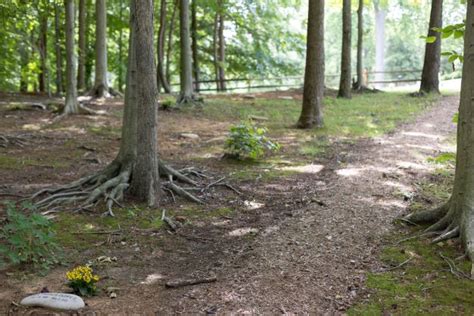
(43,52)
(431,65)
(120,53)
(58,50)
(186,78)
(311,114)
(161,77)
(360,47)
(24,59)
(72,106)
(215,46)
(221,63)
(194,45)
(345,80)
(145,180)
(90,55)
(170,42)
(101,87)
(81,68)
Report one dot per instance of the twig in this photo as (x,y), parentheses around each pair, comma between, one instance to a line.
(399,266)
(111,232)
(416,236)
(185,282)
(454,269)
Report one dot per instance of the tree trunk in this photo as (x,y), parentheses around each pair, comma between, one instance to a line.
(58,51)
(170,42)
(81,69)
(89,63)
(161,78)
(345,81)
(379,43)
(431,65)
(72,106)
(145,180)
(221,63)
(186,78)
(24,59)
(311,114)
(215,46)
(43,52)
(120,53)
(101,87)
(456,217)
(360,47)
(194,45)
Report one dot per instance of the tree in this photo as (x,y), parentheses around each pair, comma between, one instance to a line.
(81,69)
(71,106)
(136,167)
(194,45)
(43,51)
(431,65)
(58,50)
(456,216)
(161,77)
(169,49)
(345,81)
(313,93)
(380,14)
(360,46)
(221,59)
(186,95)
(101,86)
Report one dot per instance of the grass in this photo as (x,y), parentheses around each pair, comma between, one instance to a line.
(17,163)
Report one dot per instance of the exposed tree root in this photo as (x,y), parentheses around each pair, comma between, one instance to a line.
(110,184)
(184,100)
(8,140)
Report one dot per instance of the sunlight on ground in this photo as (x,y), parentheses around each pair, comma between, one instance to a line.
(417,134)
(243,231)
(411,165)
(348,172)
(252,205)
(304,169)
(31,127)
(152,278)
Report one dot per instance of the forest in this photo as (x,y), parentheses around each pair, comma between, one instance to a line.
(236,157)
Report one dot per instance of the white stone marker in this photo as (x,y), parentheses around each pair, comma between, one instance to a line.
(61,301)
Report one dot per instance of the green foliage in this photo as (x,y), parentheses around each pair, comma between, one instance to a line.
(455,31)
(444,158)
(27,239)
(248,141)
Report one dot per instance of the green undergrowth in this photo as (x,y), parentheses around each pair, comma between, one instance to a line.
(18,163)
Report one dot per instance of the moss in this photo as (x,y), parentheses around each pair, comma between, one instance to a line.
(105,131)
(16,163)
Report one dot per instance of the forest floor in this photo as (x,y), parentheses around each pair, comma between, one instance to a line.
(313,221)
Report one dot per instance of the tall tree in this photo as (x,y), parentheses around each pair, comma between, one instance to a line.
(101,86)
(221,60)
(313,93)
(215,46)
(161,77)
(170,44)
(81,69)
(24,58)
(345,80)
(194,45)
(360,46)
(431,65)
(456,217)
(380,13)
(43,50)
(71,106)
(120,50)
(186,94)
(58,50)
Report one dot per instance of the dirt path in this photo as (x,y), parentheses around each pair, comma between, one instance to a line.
(315,260)
(312,239)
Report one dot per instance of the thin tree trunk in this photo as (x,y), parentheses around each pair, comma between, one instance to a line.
(89,63)
(360,47)
(194,45)
(101,87)
(170,42)
(379,42)
(215,46)
(145,180)
(161,77)
(72,106)
(311,114)
(186,77)
(58,50)
(221,48)
(120,53)
(24,59)
(43,52)
(81,68)
(431,65)
(345,82)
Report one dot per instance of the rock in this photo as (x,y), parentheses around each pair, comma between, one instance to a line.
(60,301)
(189,135)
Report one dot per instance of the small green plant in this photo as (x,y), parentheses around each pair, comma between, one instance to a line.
(82,280)
(27,239)
(247,141)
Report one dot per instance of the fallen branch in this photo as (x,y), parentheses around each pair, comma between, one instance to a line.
(192,281)
(399,266)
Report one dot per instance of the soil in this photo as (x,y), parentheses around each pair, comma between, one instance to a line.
(304,246)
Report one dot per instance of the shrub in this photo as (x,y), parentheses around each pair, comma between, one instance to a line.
(247,141)
(27,239)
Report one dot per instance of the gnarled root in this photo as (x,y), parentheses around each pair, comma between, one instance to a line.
(8,140)
(184,100)
(110,185)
